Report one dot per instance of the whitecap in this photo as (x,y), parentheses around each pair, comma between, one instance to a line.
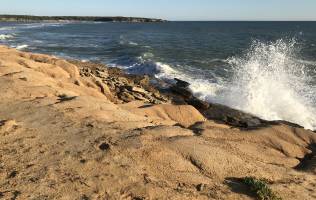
(133,43)
(20,47)
(5,36)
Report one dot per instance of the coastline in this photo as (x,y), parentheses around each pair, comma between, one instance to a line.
(30,18)
(74,130)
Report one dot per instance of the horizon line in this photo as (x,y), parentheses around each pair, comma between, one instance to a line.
(176,20)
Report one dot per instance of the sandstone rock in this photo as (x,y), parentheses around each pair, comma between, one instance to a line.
(136,89)
(104,89)
(102,73)
(138,96)
(126,97)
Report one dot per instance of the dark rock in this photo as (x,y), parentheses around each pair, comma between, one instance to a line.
(84,197)
(65,97)
(23,79)
(12,174)
(181,83)
(308,162)
(232,117)
(83,161)
(104,146)
(182,92)
(77,83)
(277,122)
(198,104)
(200,187)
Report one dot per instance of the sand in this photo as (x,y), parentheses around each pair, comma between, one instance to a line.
(63,137)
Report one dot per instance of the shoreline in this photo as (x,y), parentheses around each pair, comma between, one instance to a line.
(81,130)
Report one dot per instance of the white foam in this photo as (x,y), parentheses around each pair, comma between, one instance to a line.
(269,83)
(5,36)
(202,88)
(41,25)
(20,47)
(132,43)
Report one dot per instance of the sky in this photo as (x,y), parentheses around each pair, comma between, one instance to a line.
(183,10)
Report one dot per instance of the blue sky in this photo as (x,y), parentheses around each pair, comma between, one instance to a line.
(169,9)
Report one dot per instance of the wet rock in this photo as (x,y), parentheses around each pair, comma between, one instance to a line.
(181,83)
(232,117)
(198,104)
(187,94)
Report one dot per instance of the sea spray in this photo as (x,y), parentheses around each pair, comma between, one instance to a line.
(270,83)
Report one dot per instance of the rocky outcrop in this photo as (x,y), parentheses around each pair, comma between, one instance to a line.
(62,137)
(119,86)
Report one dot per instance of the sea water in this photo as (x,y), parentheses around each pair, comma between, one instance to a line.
(264,68)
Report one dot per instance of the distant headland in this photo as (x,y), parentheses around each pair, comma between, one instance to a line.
(31,18)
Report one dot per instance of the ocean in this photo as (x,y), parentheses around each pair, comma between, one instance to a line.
(264,68)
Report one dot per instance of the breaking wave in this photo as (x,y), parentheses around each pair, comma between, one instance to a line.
(270,83)
(20,47)
(5,36)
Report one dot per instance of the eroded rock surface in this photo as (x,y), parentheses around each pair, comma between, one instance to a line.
(67,133)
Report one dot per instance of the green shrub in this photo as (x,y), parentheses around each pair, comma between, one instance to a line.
(260,188)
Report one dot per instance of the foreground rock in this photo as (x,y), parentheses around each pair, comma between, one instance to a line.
(65,133)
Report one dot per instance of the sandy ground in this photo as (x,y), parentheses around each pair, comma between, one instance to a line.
(62,138)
